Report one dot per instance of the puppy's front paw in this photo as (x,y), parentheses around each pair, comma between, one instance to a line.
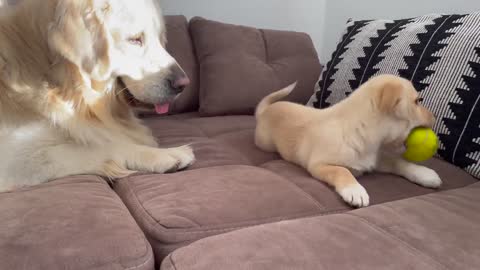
(355,195)
(426,177)
(184,156)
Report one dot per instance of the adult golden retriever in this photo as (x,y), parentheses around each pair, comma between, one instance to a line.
(363,133)
(61,110)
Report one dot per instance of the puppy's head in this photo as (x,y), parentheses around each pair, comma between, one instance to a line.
(107,39)
(398,101)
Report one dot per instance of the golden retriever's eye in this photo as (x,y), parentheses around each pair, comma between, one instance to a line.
(418,101)
(137,40)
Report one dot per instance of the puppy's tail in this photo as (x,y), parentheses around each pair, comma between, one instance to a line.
(274,97)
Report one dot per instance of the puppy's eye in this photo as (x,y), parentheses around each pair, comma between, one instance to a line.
(137,40)
(418,100)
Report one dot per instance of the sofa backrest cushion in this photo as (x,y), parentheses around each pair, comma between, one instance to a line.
(440,54)
(181,48)
(241,65)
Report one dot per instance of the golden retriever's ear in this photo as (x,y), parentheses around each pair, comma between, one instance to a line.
(78,34)
(389,96)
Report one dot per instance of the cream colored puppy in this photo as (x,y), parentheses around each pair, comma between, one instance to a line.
(363,133)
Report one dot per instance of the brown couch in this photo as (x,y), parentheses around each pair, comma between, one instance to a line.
(238,207)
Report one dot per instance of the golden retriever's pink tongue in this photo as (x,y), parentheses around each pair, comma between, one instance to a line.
(162,108)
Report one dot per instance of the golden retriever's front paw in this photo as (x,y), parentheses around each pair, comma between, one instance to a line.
(183,155)
(355,195)
(426,177)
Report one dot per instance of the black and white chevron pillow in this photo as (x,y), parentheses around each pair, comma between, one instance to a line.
(440,54)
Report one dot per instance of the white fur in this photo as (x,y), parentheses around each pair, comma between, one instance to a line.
(355,195)
(415,173)
(47,134)
(37,153)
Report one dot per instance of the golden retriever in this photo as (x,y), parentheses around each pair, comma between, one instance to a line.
(62,111)
(365,132)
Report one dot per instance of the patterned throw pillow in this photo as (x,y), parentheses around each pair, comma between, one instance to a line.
(440,54)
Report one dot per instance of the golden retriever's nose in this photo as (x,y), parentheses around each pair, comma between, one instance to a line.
(178,79)
(180,83)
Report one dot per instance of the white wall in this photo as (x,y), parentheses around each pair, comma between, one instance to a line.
(296,15)
(324,20)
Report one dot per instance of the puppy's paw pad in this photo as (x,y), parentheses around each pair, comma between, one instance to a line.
(355,195)
(428,178)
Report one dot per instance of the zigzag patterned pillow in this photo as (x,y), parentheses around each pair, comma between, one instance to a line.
(440,54)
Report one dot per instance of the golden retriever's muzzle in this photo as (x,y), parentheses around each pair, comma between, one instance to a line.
(159,89)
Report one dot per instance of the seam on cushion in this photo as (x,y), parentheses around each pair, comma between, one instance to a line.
(150,257)
(267,58)
(119,263)
(303,192)
(308,196)
(102,183)
(268,222)
(140,233)
(197,69)
(155,223)
(411,249)
(50,184)
(172,262)
(299,188)
(249,223)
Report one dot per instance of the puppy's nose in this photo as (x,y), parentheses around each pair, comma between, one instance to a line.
(429,119)
(178,79)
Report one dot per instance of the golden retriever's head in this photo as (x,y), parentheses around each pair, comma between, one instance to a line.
(107,39)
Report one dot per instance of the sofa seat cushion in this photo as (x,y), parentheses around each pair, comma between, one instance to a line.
(176,209)
(73,223)
(234,185)
(436,231)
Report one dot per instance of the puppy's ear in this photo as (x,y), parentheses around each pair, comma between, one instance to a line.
(78,34)
(389,96)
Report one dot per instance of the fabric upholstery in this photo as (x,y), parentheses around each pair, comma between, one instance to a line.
(234,185)
(180,46)
(240,65)
(436,231)
(73,223)
(440,54)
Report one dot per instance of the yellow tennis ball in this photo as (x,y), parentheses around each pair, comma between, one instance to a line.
(422,144)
